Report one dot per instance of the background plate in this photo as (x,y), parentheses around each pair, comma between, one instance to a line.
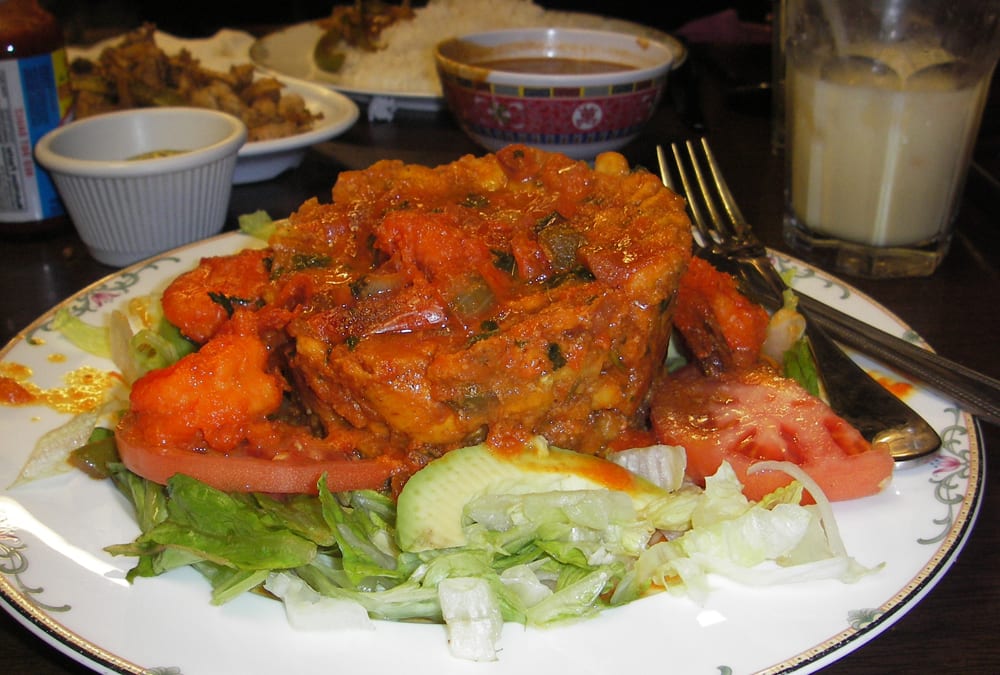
(257,160)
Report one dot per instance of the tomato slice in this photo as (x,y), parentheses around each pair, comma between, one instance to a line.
(756,414)
(247,473)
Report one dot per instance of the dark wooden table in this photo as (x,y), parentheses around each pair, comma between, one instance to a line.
(952,630)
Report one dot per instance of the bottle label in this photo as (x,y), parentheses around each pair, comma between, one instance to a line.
(34,98)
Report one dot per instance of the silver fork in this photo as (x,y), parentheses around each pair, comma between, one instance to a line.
(976,392)
(728,243)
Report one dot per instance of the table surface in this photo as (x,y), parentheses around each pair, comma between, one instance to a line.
(953,628)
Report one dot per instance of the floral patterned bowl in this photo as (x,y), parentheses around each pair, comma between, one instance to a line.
(579,92)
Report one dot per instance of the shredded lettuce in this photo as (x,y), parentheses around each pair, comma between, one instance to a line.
(472,615)
(536,559)
(91,339)
(662,465)
(133,353)
(137,353)
(308,610)
(52,453)
(799,364)
(257,224)
(48,458)
(787,345)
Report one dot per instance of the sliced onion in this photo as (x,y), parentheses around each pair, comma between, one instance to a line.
(822,503)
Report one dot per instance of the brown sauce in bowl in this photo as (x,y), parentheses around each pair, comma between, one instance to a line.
(554,65)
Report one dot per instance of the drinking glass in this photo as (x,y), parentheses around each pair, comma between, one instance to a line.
(883,105)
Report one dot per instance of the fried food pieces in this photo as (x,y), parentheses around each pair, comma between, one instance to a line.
(493,298)
(136,73)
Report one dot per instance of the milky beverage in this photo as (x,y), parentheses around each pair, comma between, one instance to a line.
(878,154)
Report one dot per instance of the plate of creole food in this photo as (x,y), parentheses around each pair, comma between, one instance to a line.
(284,116)
(400,70)
(871,558)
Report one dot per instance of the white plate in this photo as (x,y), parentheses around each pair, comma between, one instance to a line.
(57,581)
(289,52)
(257,160)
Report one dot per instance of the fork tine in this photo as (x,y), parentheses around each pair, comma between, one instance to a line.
(722,189)
(702,232)
(717,231)
(661,158)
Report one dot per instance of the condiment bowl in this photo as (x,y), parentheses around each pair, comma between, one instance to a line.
(139,182)
(576,91)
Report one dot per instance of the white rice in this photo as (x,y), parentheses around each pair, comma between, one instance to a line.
(406,64)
